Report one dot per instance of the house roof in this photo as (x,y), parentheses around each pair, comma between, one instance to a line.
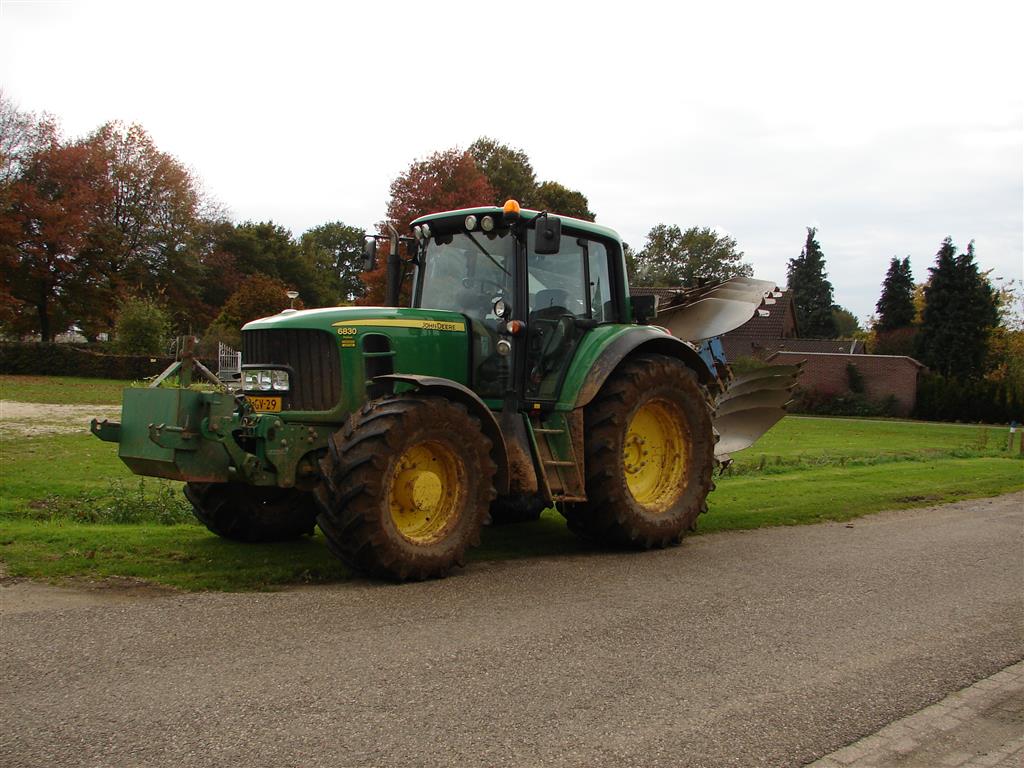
(842,346)
(771,328)
(783,352)
(665,294)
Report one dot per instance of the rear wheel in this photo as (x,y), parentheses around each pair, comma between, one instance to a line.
(406,487)
(649,455)
(252,513)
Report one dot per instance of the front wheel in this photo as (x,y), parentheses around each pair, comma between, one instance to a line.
(406,486)
(649,455)
(251,513)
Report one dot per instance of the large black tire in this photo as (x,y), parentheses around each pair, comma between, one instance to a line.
(406,486)
(644,495)
(251,513)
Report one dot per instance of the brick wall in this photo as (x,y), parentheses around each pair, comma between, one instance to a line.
(883,375)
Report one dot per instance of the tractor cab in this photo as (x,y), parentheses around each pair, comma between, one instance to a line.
(531,285)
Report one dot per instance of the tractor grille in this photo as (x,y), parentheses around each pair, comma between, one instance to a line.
(312,357)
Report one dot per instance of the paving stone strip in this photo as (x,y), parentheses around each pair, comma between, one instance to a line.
(979,727)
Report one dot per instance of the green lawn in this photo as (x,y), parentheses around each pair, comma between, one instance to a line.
(64,389)
(822,439)
(805,470)
(188,557)
(65,465)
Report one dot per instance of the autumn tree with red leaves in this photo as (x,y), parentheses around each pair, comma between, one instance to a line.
(49,211)
(444,181)
(258,296)
(151,227)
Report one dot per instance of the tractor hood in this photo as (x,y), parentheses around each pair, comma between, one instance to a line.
(333,356)
(332,318)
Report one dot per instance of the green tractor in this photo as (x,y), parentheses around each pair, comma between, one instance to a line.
(523,376)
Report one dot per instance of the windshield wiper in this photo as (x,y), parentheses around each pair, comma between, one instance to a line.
(485,253)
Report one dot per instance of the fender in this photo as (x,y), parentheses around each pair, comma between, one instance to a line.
(436,385)
(638,341)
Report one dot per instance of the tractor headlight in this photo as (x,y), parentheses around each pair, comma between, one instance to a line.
(487,223)
(256,380)
(471,222)
(279,380)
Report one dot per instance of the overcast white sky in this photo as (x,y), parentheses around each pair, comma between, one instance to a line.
(886,125)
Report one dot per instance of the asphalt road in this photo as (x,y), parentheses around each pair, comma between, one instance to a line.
(761,648)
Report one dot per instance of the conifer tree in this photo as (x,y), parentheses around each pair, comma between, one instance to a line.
(896,304)
(959,312)
(812,291)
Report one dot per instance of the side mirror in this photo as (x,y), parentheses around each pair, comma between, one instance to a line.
(549,235)
(369,254)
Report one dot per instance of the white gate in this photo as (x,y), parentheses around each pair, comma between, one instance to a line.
(229,363)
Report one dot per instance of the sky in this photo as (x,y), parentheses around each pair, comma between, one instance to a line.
(885,125)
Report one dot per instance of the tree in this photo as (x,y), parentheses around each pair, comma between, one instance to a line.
(673,257)
(258,296)
(556,198)
(508,171)
(846,322)
(335,253)
(896,304)
(146,235)
(443,182)
(960,310)
(899,341)
(143,327)
(22,134)
(812,291)
(49,211)
(629,256)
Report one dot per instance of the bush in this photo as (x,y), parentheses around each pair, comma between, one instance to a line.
(855,379)
(48,359)
(142,327)
(975,400)
(742,365)
(157,501)
(820,403)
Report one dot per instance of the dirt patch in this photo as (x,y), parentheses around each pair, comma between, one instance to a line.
(34,419)
(24,596)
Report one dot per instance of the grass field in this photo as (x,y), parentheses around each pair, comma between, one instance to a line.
(53,488)
(67,390)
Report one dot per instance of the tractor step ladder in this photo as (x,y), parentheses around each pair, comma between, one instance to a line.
(561,471)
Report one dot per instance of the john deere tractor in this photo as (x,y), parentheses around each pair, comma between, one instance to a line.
(523,376)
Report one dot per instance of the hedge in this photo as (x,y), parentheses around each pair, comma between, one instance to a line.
(817,403)
(978,400)
(48,359)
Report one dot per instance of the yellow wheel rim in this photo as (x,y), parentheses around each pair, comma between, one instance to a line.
(654,455)
(424,492)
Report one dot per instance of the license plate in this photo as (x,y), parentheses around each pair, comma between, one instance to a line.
(265,404)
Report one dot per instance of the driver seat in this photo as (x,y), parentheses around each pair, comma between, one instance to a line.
(550,303)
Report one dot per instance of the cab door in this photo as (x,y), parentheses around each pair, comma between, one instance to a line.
(568,293)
